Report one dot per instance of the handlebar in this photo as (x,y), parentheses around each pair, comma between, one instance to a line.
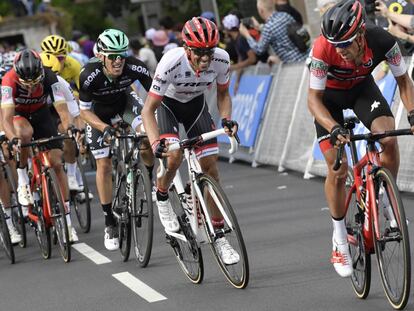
(191,142)
(371,138)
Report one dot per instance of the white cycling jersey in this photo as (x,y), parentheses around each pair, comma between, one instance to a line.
(175,78)
(69,97)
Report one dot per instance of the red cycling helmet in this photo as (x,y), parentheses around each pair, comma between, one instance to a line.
(200,32)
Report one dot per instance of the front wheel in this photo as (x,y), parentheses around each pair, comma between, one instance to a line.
(361,260)
(392,245)
(237,271)
(142,215)
(81,201)
(58,215)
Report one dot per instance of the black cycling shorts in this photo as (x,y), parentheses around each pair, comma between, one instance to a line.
(365,99)
(194,116)
(43,124)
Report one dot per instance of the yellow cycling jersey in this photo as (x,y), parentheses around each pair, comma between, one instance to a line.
(71,71)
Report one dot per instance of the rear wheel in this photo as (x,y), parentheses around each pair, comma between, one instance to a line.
(236,273)
(361,260)
(142,215)
(392,246)
(42,230)
(5,241)
(187,252)
(81,201)
(58,215)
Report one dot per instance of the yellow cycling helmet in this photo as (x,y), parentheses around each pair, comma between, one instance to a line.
(55,45)
(50,61)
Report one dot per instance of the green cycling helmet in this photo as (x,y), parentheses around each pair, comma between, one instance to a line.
(112,41)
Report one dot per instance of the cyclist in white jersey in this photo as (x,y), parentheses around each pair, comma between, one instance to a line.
(177,90)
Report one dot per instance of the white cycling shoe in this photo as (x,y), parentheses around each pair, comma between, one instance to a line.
(167,216)
(226,252)
(24,195)
(341,259)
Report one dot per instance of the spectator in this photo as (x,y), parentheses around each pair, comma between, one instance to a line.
(75,51)
(274,34)
(159,40)
(323,5)
(86,45)
(167,24)
(178,27)
(245,55)
(209,15)
(149,34)
(145,54)
(284,6)
(169,46)
(44,6)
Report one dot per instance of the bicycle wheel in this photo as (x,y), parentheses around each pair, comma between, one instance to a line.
(121,208)
(17,214)
(42,230)
(238,273)
(58,215)
(187,253)
(5,237)
(392,246)
(361,261)
(142,215)
(81,202)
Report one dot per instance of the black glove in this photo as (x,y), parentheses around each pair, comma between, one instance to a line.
(72,130)
(3,137)
(335,132)
(13,142)
(108,133)
(229,124)
(158,148)
(410,117)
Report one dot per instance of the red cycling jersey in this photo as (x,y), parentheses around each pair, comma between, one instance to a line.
(13,94)
(329,69)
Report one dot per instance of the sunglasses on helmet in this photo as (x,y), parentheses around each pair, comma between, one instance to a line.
(344,44)
(202,52)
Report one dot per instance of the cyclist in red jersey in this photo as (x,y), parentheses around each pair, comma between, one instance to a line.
(25,89)
(343,59)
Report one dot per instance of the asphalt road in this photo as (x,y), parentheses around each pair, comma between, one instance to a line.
(287,230)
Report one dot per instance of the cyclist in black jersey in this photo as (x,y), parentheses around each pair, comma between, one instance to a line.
(105,97)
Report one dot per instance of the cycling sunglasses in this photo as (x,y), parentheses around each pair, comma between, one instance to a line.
(61,57)
(202,52)
(343,44)
(31,83)
(115,56)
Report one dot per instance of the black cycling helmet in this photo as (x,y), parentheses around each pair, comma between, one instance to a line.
(343,21)
(28,65)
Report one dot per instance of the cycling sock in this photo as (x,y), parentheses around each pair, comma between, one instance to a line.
(339,231)
(217,222)
(67,207)
(150,169)
(23,178)
(109,217)
(71,168)
(162,195)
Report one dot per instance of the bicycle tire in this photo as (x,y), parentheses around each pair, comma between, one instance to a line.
(237,274)
(58,214)
(142,215)
(393,238)
(187,253)
(5,237)
(121,203)
(42,231)
(361,260)
(82,205)
(17,214)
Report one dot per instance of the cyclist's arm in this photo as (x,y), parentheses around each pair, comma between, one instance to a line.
(64,115)
(318,109)
(8,109)
(406,87)
(148,117)
(224,101)
(92,119)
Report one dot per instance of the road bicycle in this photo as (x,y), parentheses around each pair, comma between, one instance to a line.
(16,209)
(132,203)
(48,211)
(5,241)
(194,216)
(375,220)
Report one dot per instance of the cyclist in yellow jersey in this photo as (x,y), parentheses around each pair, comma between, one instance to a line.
(70,67)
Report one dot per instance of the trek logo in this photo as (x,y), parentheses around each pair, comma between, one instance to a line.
(193,84)
(91,77)
(220,60)
(172,68)
(375,105)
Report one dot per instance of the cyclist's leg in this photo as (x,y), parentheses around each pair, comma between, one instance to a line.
(372,109)
(132,115)
(24,130)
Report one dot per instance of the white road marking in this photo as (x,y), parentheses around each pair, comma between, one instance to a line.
(281,187)
(325,208)
(139,287)
(284,174)
(90,253)
(228,187)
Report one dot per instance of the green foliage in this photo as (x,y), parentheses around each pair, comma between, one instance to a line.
(224,6)
(5,8)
